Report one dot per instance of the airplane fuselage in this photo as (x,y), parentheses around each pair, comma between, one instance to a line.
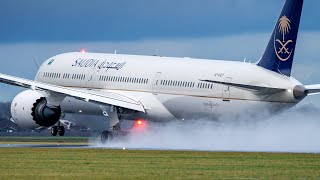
(170,88)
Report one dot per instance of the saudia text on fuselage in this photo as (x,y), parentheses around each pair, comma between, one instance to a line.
(98,63)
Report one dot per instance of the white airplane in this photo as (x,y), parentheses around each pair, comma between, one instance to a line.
(130,87)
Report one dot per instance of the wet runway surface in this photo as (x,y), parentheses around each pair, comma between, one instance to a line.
(42,146)
(73,146)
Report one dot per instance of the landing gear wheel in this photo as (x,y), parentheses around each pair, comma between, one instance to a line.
(106,137)
(54,130)
(61,130)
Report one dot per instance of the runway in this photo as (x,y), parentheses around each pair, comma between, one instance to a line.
(43,146)
(74,146)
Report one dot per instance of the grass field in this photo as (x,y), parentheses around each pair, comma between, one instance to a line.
(38,163)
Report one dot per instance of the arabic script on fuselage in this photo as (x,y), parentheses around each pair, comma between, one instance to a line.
(98,63)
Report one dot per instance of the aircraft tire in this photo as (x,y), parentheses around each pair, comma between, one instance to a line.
(106,137)
(54,131)
(61,130)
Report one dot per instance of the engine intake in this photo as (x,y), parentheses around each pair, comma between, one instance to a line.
(44,115)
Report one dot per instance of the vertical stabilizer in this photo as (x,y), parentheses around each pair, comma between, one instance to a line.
(278,56)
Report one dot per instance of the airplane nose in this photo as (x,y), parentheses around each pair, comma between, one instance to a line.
(299,92)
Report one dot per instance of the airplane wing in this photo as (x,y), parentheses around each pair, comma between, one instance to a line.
(313,89)
(258,89)
(107,98)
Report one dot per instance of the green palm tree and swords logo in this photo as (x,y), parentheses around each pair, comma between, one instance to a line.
(281,46)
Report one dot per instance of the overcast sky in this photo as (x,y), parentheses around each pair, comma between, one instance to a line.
(213,29)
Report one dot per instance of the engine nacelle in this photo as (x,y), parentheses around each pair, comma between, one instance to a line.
(29,110)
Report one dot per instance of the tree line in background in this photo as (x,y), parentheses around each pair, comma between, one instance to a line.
(5,113)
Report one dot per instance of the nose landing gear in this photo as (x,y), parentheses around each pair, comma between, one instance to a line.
(57,130)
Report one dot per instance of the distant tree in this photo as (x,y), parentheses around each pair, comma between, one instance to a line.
(5,113)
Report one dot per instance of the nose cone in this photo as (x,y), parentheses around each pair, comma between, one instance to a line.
(299,92)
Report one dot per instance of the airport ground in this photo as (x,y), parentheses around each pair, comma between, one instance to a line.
(43,140)
(103,163)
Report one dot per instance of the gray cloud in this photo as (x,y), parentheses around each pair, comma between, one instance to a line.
(97,20)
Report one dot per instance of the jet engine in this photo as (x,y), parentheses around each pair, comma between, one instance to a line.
(30,110)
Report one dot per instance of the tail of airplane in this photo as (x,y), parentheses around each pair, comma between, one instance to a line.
(278,56)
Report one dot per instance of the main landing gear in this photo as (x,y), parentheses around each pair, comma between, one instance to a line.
(106,136)
(115,116)
(57,130)
(115,133)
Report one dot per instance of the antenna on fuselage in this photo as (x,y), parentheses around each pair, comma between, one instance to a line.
(36,62)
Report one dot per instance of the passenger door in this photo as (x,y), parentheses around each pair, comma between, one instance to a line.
(156,83)
(226,90)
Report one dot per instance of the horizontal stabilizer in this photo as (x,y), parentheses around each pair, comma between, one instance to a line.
(313,89)
(259,89)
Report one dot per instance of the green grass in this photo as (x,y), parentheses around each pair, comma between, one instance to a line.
(37,163)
